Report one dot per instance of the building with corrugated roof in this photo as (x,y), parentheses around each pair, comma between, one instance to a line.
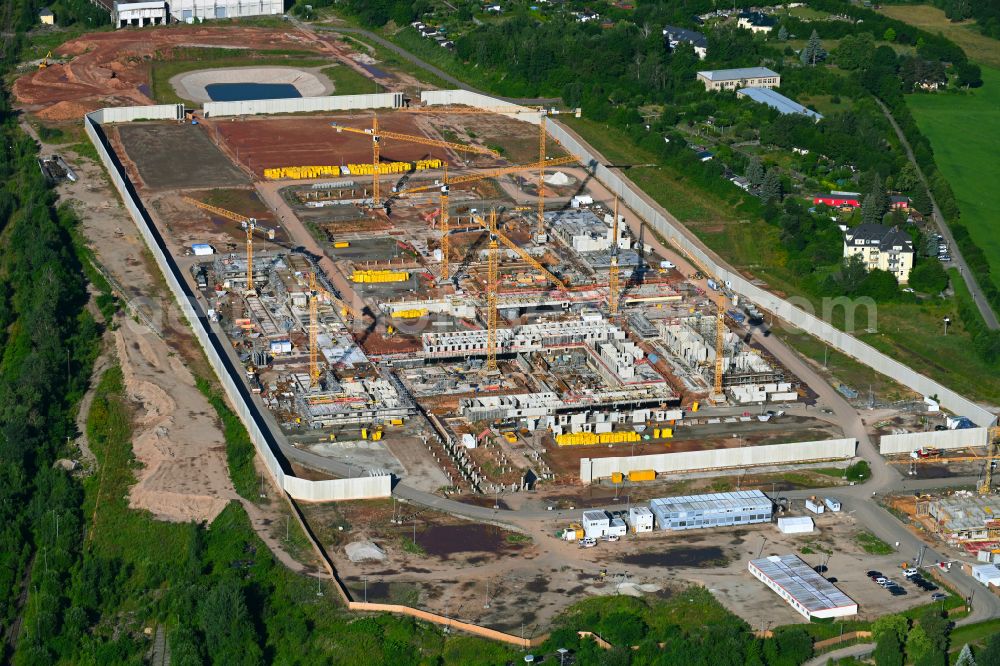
(811,595)
(691,512)
(778,102)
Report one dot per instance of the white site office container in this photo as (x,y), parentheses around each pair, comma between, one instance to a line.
(831,504)
(795,524)
(617,528)
(596,524)
(641,519)
(815,505)
(202,249)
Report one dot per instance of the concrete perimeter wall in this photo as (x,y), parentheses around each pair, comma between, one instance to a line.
(679,237)
(451,97)
(237,392)
(746,456)
(126,114)
(935,439)
(304,104)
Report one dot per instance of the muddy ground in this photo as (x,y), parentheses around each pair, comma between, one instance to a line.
(177,156)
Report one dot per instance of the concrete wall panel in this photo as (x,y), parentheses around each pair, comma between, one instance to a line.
(935,439)
(304,104)
(126,114)
(747,456)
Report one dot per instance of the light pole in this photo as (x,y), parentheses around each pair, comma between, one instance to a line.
(947,320)
(562,655)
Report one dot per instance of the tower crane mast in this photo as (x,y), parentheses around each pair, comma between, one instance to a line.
(491,297)
(613,287)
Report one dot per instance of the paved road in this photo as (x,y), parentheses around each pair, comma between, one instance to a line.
(956,252)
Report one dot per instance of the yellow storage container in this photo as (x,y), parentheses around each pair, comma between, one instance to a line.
(617,477)
(656,433)
(364,433)
(642,475)
(667,433)
(396,421)
(341,244)
(694,406)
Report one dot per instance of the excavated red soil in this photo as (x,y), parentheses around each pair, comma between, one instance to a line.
(112,68)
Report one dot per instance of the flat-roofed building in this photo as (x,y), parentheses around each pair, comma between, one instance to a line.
(742,77)
(811,595)
(691,512)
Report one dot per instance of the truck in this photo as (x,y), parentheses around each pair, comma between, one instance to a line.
(925,452)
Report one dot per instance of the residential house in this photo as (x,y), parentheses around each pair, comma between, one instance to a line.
(675,36)
(756,22)
(881,247)
(837,199)
(743,77)
(899,202)
(46,17)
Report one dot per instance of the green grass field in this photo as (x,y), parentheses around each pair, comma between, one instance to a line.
(348,82)
(977,46)
(964,131)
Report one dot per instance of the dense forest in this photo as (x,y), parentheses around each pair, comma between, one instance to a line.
(49,342)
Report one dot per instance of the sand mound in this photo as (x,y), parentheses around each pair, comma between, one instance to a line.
(558,178)
(364,551)
(68,110)
(184,475)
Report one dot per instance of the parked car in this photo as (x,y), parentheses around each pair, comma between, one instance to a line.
(910,572)
(938,596)
(896,591)
(874,574)
(588,542)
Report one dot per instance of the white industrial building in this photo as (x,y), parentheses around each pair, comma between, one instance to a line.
(190,11)
(641,519)
(140,14)
(811,595)
(689,512)
(795,524)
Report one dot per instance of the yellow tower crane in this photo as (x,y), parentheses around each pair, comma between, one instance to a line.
(720,330)
(377,136)
(493,173)
(313,332)
(540,232)
(445,241)
(521,252)
(491,297)
(249,225)
(613,288)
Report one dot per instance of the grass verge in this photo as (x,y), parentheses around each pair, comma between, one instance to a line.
(239,449)
(348,82)
(872,545)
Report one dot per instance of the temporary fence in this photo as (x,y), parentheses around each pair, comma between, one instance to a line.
(718,459)
(680,237)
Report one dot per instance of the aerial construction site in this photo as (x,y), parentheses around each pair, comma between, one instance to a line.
(439,303)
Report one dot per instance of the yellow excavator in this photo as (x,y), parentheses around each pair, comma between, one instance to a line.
(45,61)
